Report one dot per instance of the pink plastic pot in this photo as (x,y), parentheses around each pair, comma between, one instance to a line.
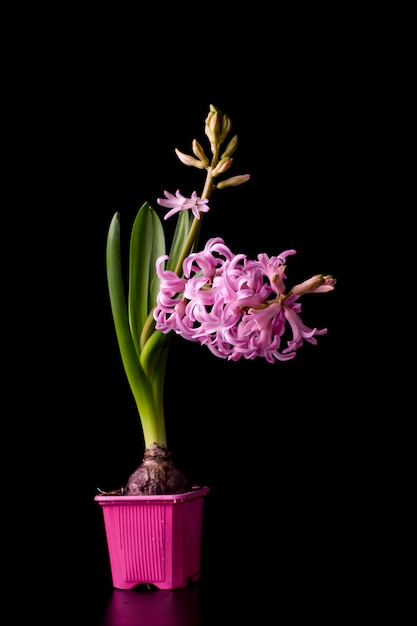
(154,539)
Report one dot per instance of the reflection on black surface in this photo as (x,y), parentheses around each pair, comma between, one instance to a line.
(145,606)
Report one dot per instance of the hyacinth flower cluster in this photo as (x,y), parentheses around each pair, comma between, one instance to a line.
(235,306)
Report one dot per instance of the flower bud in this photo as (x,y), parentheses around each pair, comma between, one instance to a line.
(226,126)
(234,181)
(231,147)
(189,160)
(213,125)
(221,167)
(199,152)
(315,284)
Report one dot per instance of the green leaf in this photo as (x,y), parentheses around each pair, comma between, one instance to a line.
(135,374)
(158,249)
(147,242)
(146,392)
(180,237)
(150,355)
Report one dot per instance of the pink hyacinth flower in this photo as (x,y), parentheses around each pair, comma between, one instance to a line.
(235,306)
(181,203)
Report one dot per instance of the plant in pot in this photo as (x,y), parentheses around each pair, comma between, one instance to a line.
(234,306)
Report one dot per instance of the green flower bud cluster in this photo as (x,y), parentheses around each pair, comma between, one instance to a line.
(217,127)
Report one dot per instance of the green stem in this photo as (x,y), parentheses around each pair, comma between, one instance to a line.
(194,233)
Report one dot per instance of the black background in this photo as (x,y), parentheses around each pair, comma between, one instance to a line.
(284,448)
